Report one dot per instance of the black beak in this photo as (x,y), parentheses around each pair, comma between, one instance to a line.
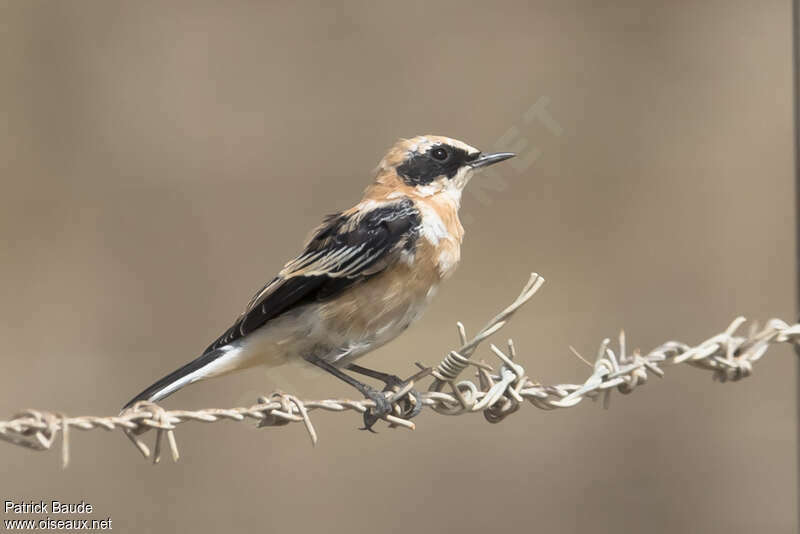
(490,159)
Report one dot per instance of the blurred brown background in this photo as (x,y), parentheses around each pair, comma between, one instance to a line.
(161,160)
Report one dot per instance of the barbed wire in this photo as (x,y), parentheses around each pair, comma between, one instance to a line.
(497,393)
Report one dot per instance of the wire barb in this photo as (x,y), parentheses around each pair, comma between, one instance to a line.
(497,394)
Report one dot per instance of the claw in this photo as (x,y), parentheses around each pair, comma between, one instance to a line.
(409,402)
(382,407)
(407,399)
(417,404)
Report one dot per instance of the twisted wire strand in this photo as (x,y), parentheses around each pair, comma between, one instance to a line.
(497,393)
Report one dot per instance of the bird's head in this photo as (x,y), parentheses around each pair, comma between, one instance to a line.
(432,164)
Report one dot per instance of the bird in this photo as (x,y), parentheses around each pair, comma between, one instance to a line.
(363,277)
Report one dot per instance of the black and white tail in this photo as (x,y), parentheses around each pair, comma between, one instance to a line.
(212,363)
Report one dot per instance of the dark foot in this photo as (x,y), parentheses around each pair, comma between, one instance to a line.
(410,402)
(382,407)
(407,399)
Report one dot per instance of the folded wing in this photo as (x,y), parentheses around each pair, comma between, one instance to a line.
(346,249)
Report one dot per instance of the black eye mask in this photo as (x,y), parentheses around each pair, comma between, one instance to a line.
(440,160)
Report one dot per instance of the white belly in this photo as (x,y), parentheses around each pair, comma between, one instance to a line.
(311,331)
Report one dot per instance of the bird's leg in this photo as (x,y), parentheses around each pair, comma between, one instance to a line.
(386,378)
(382,404)
(411,408)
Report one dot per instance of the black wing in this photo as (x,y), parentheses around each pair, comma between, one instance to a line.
(344,250)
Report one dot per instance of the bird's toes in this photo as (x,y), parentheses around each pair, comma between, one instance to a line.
(382,407)
(413,404)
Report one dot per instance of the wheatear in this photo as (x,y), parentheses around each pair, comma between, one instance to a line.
(364,276)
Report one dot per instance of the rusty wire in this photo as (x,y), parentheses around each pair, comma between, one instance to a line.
(497,393)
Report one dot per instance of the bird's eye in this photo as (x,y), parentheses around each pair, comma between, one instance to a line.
(440,154)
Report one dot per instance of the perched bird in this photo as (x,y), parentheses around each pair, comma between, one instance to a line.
(364,275)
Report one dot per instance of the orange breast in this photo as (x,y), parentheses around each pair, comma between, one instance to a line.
(389,300)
